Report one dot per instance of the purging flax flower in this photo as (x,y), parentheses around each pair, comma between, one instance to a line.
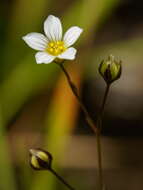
(53,45)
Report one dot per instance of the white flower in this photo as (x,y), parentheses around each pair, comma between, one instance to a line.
(53,45)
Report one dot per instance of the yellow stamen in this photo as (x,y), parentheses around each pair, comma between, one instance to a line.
(55,47)
(51,44)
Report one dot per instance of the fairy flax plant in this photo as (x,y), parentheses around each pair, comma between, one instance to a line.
(56,48)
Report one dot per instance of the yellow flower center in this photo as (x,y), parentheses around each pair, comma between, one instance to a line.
(55,47)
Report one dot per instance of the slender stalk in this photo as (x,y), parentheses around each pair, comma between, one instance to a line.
(75,92)
(61,179)
(98,135)
(91,123)
(104,99)
(99,157)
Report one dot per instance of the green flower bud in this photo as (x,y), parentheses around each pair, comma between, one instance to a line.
(110,69)
(40,159)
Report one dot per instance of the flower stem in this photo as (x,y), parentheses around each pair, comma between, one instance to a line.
(98,135)
(104,99)
(61,179)
(75,92)
(90,121)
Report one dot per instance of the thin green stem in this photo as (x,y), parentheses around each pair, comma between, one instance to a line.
(104,99)
(98,135)
(61,179)
(90,121)
(76,94)
(99,157)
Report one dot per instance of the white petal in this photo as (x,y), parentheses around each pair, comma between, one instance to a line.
(53,28)
(36,41)
(68,54)
(72,35)
(43,57)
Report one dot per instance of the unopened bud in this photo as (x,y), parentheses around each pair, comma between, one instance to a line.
(110,69)
(40,159)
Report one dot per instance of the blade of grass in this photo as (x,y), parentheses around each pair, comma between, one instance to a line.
(26,17)
(27,79)
(89,15)
(7,180)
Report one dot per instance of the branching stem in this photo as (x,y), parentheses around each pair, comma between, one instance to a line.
(96,128)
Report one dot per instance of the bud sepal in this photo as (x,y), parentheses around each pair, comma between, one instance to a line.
(40,159)
(110,69)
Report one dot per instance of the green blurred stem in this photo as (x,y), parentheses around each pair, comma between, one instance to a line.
(6,170)
(61,179)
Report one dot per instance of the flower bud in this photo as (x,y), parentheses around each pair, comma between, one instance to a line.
(40,159)
(110,69)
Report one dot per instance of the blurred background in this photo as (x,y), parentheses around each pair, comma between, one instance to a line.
(37,108)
